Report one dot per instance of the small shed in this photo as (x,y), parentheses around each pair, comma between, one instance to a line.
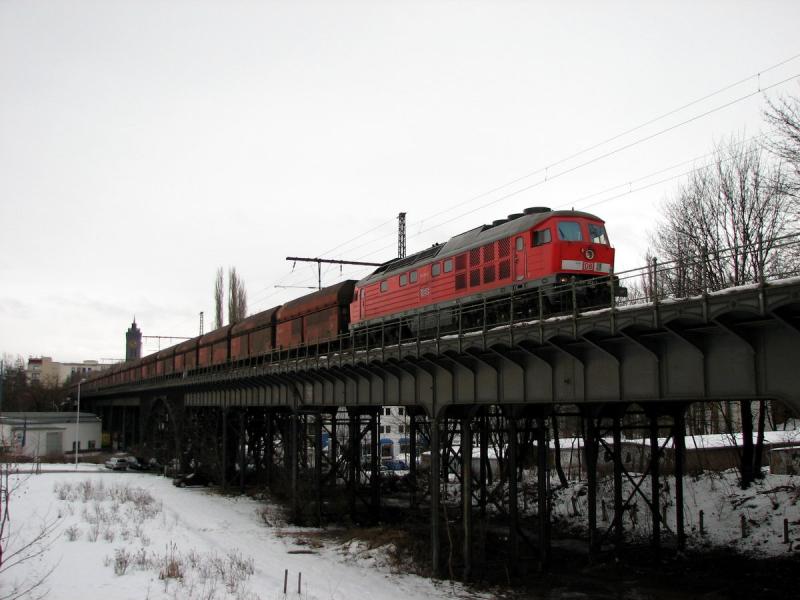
(48,434)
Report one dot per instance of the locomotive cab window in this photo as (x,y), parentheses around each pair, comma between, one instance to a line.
(520,244)
(569,231)
(412,277)
(597,234)
(403,279)
(541,237)
(384,285)
(448,265)
(436,268)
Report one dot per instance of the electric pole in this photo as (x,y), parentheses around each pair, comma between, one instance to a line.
(163,337)
(401,235)
(319,262)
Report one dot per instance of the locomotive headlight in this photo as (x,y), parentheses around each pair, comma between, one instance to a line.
(588,253)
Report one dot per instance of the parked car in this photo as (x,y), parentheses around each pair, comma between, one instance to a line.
(396,465)
(117,463)
(192,479)
(136,464)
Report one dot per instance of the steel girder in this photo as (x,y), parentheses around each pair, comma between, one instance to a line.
(735,345)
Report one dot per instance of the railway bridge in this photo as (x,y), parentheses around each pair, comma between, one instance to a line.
(300,419)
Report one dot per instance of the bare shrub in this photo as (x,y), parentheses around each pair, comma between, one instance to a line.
(172,565)
(86,490)
(194,559)
(122,560)
(238,570)
(93,533)
(72,533)
(141,560)
(109,535)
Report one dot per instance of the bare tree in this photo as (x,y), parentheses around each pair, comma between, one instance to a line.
(219,291)
(724,225)
(784,115)
(237,297)
(724,228)
(17,548)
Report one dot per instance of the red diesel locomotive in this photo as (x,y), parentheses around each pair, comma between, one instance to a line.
(528,256)
(536,249)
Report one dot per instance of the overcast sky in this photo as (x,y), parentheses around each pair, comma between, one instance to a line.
(145,143)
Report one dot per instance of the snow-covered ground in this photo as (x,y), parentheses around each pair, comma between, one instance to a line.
(136,536)
(724,505)
(131,535)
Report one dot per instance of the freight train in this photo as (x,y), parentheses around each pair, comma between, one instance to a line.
(532,263)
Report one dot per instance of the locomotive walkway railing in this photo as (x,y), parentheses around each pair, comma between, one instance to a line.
(691,275)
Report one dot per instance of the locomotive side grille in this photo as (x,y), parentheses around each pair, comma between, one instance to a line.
(503,248)
(488,274)
(474,278)
(461,262)
(461,281)
(505,269)
(474,257)
(488,252)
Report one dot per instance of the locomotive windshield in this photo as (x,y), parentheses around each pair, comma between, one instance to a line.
(569,231)
(597,234)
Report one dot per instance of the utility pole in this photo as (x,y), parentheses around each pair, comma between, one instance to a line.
(2,381)
(401,235)
(319,262)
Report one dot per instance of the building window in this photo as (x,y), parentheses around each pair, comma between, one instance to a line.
(386,451)
(387,410)
(405,448)
(91,445)
(401,411)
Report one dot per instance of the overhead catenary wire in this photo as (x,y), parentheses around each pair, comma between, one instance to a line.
(627,183)
(631,190)
(549,177)
(613,138)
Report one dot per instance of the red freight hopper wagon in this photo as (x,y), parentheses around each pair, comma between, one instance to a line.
(130,371)
(254,336)
(165,361)
(214,348)
(186,356)
(148,366)
(317,317)
(536,248)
